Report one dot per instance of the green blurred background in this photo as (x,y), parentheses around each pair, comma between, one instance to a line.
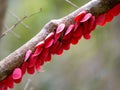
(90,65)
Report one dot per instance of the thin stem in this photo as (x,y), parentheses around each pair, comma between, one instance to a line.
(71,3)
(27,84)
(14,15)
(14,26)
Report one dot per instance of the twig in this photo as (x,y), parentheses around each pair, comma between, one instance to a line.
(3,8)
(31,88)
(71,3)
(15,34)
(13,14)
(27,84)
(35,12)
(12,27)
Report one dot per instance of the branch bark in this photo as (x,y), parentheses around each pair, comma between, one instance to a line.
(3,7)
(15,59)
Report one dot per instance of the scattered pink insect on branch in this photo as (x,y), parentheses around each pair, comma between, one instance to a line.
(56,42)
(17,75)
(107,17)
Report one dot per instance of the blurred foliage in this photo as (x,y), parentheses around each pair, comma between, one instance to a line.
(90,65)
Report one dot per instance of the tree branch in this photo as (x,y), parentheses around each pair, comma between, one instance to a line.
(15,59)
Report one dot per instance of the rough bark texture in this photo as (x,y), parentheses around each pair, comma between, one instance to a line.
(15,59)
